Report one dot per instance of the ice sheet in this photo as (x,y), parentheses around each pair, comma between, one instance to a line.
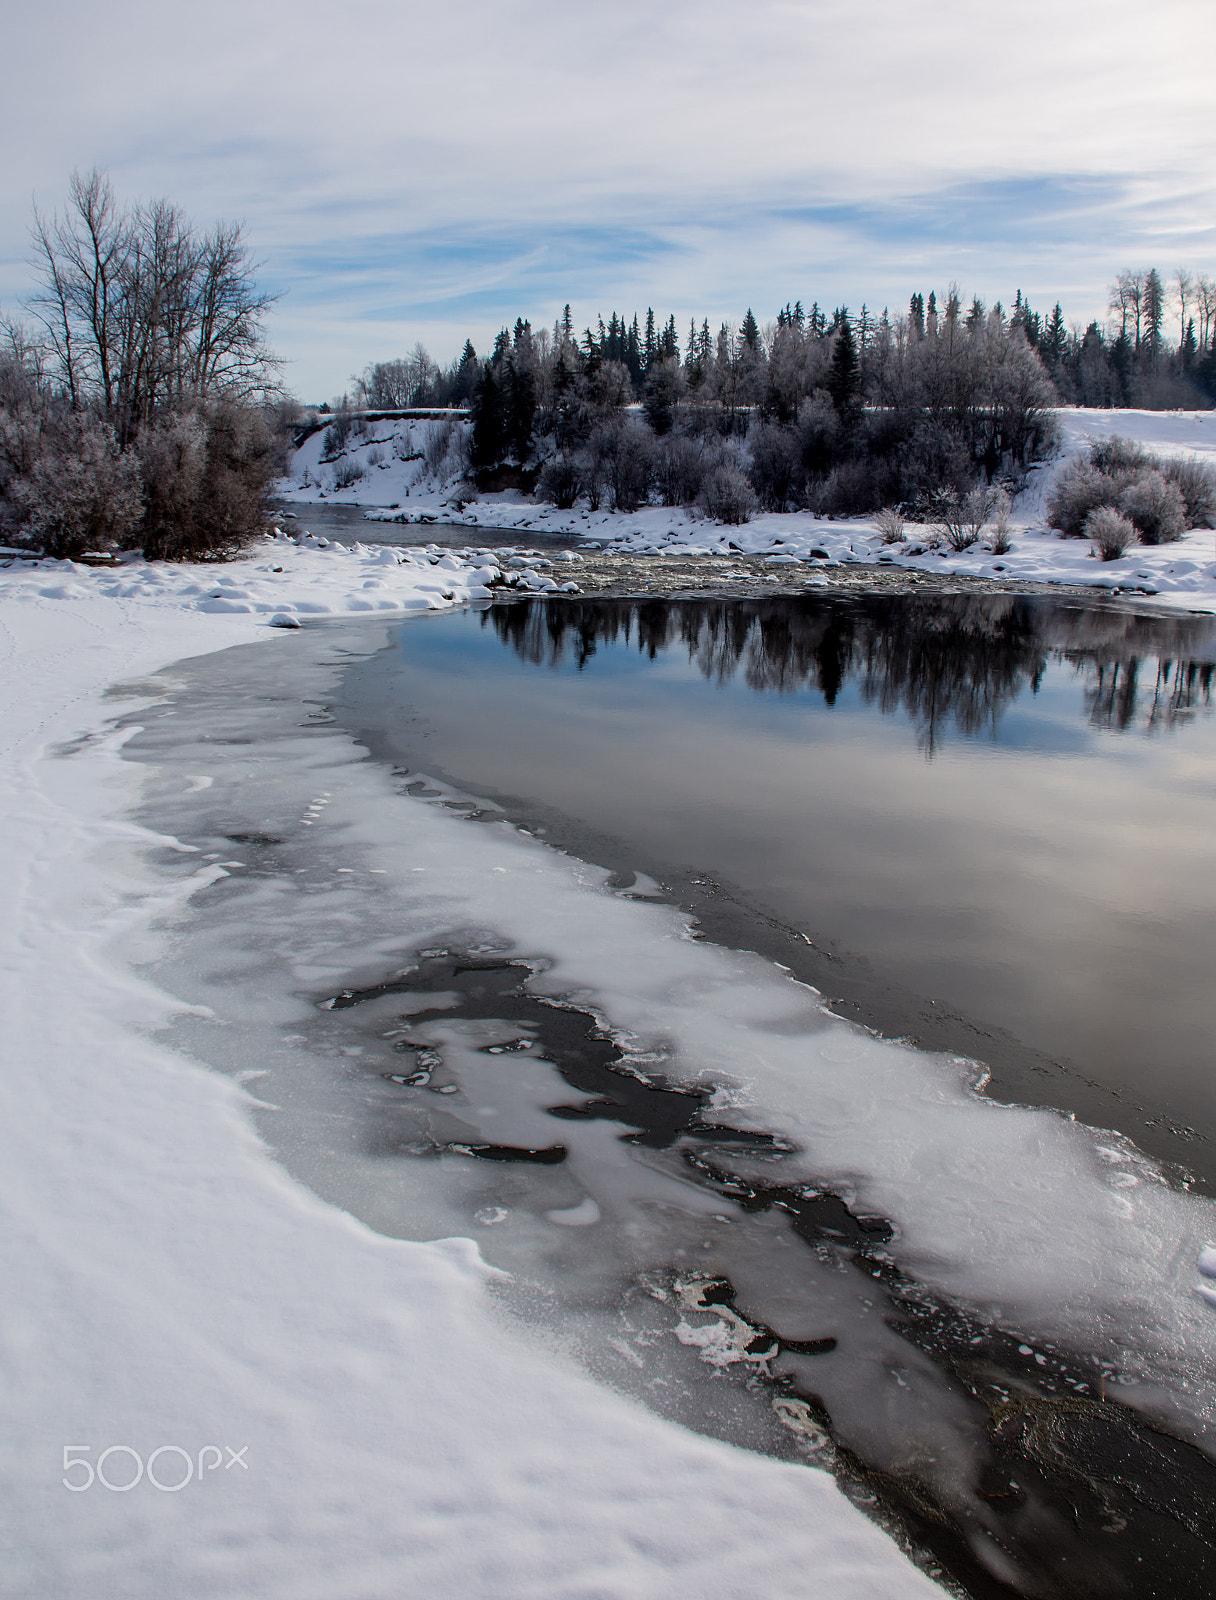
(168,1285)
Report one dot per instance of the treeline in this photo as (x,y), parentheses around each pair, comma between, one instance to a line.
(1135,360)
(139,404)
(842,414)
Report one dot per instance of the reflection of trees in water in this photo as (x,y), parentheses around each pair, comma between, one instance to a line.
(941,660)
(1118,694)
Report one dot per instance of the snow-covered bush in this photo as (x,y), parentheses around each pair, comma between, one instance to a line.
(680,468)
(1163,497)
(173,456)
(1118,457)
(890,524)
(1002,532)
(82,493)
(726,496)
(961,518)
(1156,507)
(1080,489)
(1110,531)
(560,481)
(776,472)
(375,456)
(1196,483)
(347,473)
(240,449)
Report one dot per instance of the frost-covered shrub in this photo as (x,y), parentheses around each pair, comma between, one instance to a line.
(1110,531)
(1196,483)
(240,452)
(617,460)
(890,524)
(81,494)
(1002,531)
(681,465)
(1156,507)
(173,457)
(1118,457)
(776,465)
(560,481)
(1162,497)
(960,518)
(726,496)
(1080,489)
(375,456)
(347,473)
(852,488)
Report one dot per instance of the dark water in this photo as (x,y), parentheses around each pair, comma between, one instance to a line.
(984,822)
(348,523)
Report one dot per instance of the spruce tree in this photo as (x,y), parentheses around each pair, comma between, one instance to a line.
(844,375)
(749,331)
(520,410)
(489,442)
(1054,340)
(650,348)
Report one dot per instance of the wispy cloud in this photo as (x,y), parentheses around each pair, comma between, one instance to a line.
(408,171)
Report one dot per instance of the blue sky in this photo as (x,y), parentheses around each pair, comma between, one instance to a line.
(416,172)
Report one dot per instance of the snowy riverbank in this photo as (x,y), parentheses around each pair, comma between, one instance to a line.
(396,485)
(353,1418)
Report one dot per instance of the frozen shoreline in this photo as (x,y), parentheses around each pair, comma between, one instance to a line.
(169,1286)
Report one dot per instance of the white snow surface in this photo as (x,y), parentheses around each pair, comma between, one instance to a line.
(166,1284)
(1181,574)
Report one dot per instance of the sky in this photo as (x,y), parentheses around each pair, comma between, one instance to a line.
(413,172)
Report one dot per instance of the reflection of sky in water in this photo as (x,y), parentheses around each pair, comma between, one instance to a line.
(1046,872)
(1051,705)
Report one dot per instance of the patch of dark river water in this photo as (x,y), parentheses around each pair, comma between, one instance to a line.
(981,824)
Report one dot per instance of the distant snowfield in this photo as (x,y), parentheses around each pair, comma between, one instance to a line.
(345,1414)
(1182,574)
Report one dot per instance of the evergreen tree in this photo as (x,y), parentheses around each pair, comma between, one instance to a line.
(519,411)
(916,316)
(671,341)
(844,375)
(489,443)
(567,323)
(650,346)
(633,353)
(1154,314)
(467,371)
(749,331)
(1054,340)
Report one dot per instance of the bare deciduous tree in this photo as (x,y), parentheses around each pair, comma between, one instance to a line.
(142,312)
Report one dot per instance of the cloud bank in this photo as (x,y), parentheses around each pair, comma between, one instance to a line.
(409,171)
